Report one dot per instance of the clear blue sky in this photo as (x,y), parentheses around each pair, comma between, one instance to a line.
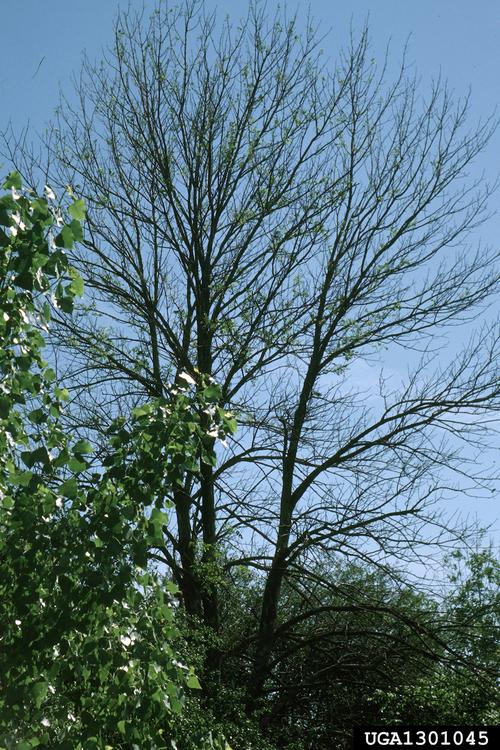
(42,44)
(460,38)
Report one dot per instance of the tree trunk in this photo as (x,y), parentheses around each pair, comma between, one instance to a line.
(269,614)
(189,583)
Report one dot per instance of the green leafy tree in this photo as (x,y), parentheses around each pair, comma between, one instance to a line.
(456,693)
(89,647)
(375,653)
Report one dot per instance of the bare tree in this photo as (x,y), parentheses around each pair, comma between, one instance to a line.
(261,215)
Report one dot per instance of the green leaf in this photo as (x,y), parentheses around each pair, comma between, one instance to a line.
(62,459)
(76,285)
(24,280)
(37,416)
(77,210)
(20,478)
(208,457)
(212,393)
(13,180)
(83,447)
(193,682)
(69,488)
(175,703)
(39,690)
(30,458)
(46,312)
(141,411)
(77,466)
(158,518)
(5,220)
(121,726)
(24,363)
(4,240)
(5,406)
(76,228)
(66,303)
(65,238)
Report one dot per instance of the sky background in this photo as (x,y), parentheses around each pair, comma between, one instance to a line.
(42,45)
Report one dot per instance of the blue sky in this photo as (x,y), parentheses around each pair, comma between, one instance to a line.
(42,45)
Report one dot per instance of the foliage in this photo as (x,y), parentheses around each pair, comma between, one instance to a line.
(466,693)
(377,653)
(88,649)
